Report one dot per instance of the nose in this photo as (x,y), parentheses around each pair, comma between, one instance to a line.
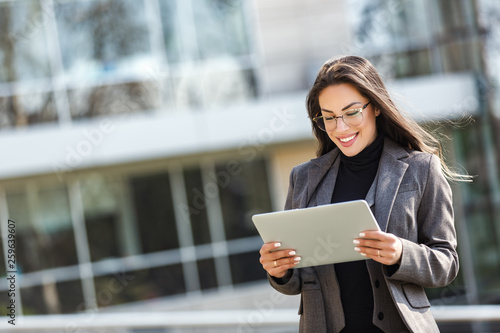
(341,125)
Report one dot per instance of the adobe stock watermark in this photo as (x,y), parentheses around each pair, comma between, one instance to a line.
(324,249)
(75,154)
(263,309)
(104,297)
(252,145)
(449,295)
(249,150)
(34,24)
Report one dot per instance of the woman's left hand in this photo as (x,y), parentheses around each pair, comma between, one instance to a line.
(379,246)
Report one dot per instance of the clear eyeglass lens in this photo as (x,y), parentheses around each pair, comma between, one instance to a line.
(353,118)
(321,123)
(350,118)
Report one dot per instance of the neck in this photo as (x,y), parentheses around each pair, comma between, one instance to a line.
(371,154)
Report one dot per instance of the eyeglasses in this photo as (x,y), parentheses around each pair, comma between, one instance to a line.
(352,117)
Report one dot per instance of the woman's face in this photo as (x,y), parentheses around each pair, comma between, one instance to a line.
(335,100)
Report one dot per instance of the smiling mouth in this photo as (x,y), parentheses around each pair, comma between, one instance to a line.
(349,138)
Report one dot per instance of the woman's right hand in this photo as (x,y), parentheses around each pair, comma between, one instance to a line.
(277,262)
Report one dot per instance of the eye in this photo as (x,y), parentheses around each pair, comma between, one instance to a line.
(328,118)
(352,113)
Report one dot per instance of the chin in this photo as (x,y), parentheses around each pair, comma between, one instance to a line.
(348,151)
(350,154)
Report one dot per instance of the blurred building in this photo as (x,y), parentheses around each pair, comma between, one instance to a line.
(139,137)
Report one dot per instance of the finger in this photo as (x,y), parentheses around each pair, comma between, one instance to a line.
(277,254)
(373,234)
(376,244)
(268,247)
(274,256)
(281,266)
(382,256)
(375,254)
(282,262)
(377,239)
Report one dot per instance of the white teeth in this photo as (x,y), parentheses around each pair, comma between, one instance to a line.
(348,139)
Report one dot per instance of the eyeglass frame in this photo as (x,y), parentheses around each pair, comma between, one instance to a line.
(361,109)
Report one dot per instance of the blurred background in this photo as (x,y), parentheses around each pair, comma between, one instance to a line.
(138,137)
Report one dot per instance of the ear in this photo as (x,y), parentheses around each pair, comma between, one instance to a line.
(377,112)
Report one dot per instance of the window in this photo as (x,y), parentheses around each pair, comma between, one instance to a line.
(245,267)
(24,52)
(204,29)
(220,28)
(196,206)
(155,215)
(132,235)
(207,274)
(425,36)
(244,191)
(99,36)
(102,217)
(70,297)
(45,237)
(207,47)
(34,302)
(78,59)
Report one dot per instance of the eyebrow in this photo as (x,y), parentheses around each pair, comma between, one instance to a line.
(344,108)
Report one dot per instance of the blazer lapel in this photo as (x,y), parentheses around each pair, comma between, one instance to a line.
(320,189)
(327,184)
(389,176)
(370,196)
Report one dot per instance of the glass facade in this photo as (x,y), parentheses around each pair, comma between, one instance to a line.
(143,233)
(415,38)
(108,57)
(111,238)
(97,37)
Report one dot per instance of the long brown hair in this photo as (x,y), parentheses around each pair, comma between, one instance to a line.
(360,73)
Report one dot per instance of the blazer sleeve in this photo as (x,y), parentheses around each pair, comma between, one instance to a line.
(432,261)
(290,283)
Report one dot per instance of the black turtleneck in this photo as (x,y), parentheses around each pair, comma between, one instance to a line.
(355,176)
(357,172)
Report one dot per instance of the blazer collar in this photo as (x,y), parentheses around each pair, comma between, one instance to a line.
(392,168)
(321,194)
(390,173)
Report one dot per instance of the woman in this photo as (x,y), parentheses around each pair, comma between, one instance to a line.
(368,150)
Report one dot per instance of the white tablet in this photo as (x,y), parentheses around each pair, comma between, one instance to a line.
(320,235)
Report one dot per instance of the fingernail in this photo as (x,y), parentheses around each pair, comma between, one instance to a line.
(277,244)
(362,234)
(355,241)
(297,258)
(291,253)
(363,254)
(357,249)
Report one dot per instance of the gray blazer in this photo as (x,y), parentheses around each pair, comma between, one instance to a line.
(411,199)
